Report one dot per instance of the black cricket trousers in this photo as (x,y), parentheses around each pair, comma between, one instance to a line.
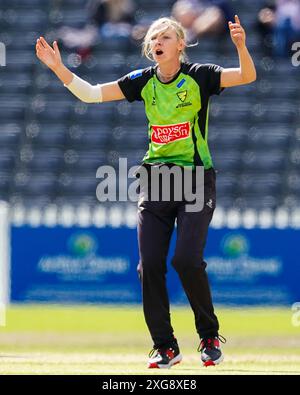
(156,221)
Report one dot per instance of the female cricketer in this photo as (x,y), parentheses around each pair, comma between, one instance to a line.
(176,96)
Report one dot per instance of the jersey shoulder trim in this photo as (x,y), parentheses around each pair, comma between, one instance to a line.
(207,75)
(140,73)
(132,83)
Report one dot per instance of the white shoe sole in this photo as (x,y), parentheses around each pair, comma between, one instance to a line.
(173,362)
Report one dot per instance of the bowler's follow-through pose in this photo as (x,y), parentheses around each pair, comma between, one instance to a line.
(176,97)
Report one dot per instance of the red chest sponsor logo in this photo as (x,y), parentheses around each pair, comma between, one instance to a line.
(168,133)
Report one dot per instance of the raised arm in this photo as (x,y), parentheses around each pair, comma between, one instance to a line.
(82,89)
(246,73)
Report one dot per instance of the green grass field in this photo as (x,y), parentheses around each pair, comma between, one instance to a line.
(114,340)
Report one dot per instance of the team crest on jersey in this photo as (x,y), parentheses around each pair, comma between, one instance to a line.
(164,134)
(182,95)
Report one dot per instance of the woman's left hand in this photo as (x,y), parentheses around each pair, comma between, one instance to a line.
(237,33)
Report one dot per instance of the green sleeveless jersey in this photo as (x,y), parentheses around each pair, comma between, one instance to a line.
(177,112)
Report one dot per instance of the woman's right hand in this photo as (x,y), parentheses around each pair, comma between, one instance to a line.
(49,56)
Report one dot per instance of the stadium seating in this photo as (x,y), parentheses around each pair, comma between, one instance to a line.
(51,144)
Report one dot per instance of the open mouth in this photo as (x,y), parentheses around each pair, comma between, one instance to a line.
(158,52)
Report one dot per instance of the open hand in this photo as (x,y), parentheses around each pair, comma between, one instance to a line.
(237,33)
(49,56)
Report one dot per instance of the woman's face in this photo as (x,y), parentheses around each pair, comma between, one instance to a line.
(166,46)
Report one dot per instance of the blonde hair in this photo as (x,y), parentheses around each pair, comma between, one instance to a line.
(160,26)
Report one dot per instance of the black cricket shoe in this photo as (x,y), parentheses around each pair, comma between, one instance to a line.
(164,358)
(211,353)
